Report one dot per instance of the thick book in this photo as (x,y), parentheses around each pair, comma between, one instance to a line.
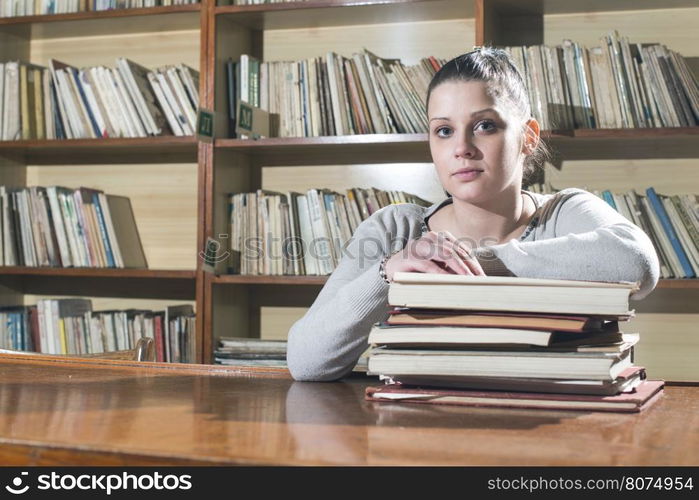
(627,380)
(540,363)
(127,237)
(550,322)
(635,401)
(497,293)
(435,335)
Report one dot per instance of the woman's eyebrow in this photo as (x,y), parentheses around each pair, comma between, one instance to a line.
(483,111)
(439,118)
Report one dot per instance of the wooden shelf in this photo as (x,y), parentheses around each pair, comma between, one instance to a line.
(572,7)
(161,149)
(397,148)
(105,14)
(237,279)
(679,283)
(101,282)
(323,13)
(336,150)
(627,144)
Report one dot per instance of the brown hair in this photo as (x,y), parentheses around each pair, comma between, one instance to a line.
(495,68)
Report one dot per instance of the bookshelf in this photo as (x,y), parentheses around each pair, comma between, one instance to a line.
(160,175)
(183,183)
(267,305)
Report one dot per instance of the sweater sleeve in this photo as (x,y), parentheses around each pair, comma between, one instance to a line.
(583,239)
(327,341)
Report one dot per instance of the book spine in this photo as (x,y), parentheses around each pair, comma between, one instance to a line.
(670,231)
(103,230)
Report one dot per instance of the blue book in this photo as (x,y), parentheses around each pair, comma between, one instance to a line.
(657,205)
(103,230)
(607,195)
(76,77)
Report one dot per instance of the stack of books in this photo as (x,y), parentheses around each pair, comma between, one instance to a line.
(241,351)
(515,342)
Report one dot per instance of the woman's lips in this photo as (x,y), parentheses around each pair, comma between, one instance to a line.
(467,174)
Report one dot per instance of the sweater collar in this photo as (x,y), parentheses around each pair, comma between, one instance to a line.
(429,211)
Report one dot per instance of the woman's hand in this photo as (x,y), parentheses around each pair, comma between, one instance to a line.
(434,253)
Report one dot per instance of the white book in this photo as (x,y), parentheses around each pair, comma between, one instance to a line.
(190,78)
(496,293)
(107,95)
(28,248)
(181,98)
(127,103)
(136,79)
(164,105)
(43,325)
(59,226)
(49,107)
(12,128)
(169,95)
(321,242)
(93,104)
(128,127)
(9,250)
(334,95)
(74,242)
(67,99)
(2,94)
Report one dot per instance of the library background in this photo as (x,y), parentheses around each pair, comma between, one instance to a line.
(109,194)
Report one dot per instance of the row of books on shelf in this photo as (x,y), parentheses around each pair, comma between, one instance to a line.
(333,95)
(671,222)
(70,326)
(60,227)
(615,85)
(274,233)
(12,8)
(509,342)
(64,102)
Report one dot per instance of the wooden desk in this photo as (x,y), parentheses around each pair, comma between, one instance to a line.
(57,412)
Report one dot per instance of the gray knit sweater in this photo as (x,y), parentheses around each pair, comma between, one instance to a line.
(572,235)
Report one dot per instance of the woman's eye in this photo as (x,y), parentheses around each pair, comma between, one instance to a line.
(443,132)
(485,126)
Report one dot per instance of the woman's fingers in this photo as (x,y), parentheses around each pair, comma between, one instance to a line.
(428,266)
(469,260)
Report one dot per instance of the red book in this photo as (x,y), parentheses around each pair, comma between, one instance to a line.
(637,400)
(159,350)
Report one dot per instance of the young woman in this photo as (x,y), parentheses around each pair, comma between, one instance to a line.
(482,139)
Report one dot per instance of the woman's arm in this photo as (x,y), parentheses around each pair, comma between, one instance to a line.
(582,238)
(327,341)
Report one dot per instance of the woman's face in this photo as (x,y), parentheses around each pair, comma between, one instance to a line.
(475,141)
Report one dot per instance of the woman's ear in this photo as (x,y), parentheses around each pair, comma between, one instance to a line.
(532,136)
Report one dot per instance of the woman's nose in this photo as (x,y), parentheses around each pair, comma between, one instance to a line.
(465,148)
